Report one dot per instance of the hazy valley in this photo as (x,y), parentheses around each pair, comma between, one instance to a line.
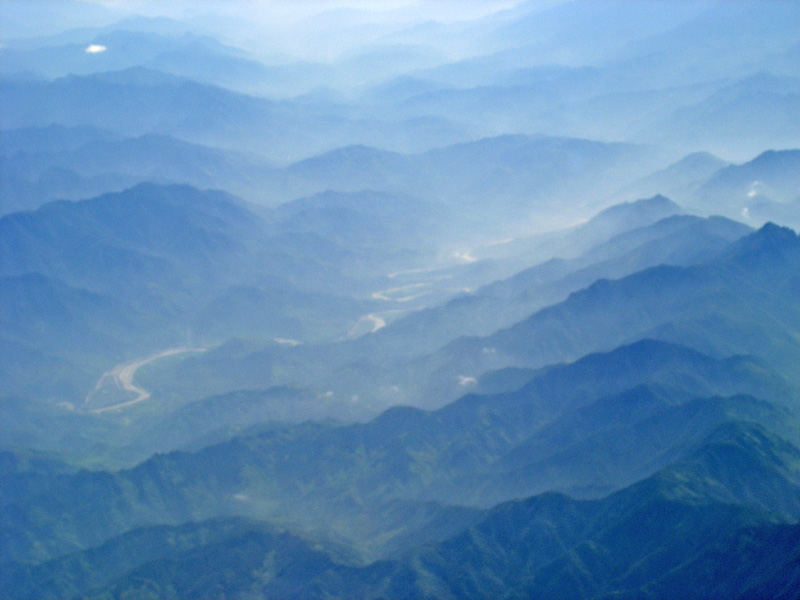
(400,299)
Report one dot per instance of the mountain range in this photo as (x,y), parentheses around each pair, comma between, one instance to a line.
(430,300)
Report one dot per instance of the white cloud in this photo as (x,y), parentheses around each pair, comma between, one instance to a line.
(95,49)
(464,381)
(464,256)
(755,188)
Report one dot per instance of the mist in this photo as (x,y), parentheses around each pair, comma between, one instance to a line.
(399,299)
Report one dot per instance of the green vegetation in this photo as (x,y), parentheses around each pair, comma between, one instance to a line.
(399,300)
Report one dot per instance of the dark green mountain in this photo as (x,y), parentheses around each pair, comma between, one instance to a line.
(635,433)
(159,550)
(757,562)
(670,423)
(383,317)
(665,537)
(621,543)
(328,477)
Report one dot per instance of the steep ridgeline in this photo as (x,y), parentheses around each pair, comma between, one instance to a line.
(668,536)
(680,180)
(646,400)
(766,188)
(704,441)
(387,318)
(744,301)
(680,240)
(739,299)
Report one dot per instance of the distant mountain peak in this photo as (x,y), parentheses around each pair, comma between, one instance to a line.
(778,233)
(699,159)
(764,81)
(646,210)
(770,238)
(645,351)
(747,435)
(770,157)
(139,76)
(658,200)
(354,153)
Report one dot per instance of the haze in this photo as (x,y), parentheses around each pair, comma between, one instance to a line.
(403,299)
